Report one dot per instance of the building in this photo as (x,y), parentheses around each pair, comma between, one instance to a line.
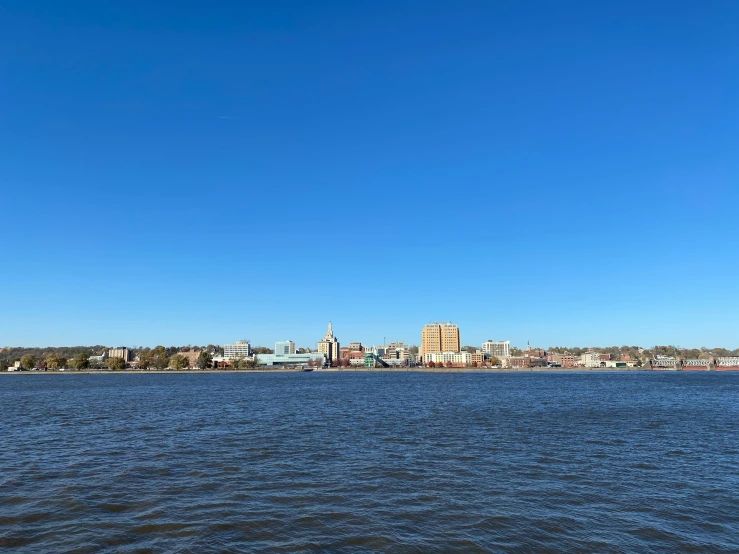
(564,360)
(590,359)
(500,349)
(458,359)
(477,358)
(440,337)
(315,358)
(285,347)
(517,361)
(355,347)
(329,345)
(397,351)
(240,349)
(124,353)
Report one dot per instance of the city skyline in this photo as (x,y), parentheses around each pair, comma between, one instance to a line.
(285,338)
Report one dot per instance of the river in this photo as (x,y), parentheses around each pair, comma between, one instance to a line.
(366,462)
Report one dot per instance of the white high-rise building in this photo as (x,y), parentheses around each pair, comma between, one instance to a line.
(240,349)
(285,347)
(499,349)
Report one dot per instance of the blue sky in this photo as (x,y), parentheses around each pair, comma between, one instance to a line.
(182,172)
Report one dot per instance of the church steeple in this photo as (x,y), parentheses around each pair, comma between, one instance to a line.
(330,332)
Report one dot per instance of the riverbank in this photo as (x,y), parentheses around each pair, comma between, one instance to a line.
(343,370)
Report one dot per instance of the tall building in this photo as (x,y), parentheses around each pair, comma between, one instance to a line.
(329,345)
(285,347)
(240,349)
(500,349)
(440,337)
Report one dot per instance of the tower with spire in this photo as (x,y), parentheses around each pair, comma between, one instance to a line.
(329,345)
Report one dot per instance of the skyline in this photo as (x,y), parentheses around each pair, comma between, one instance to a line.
(560,174)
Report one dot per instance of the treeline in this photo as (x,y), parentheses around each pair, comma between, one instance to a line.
(10,355)
(651,352)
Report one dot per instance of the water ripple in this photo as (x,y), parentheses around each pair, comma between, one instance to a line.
(366,462)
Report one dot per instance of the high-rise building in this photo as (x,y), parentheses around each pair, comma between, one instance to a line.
(285,347)
(329,345)
(440,337)
(240,349)
(500,349)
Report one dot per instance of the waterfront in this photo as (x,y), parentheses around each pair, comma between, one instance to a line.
(368,461)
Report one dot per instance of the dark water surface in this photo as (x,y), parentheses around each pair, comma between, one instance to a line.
(401,462)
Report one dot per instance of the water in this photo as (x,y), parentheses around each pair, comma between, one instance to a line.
(401,462)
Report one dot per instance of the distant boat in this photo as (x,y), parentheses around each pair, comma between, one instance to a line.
(307,369)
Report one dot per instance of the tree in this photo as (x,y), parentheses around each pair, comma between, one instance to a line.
(116,363)
(449,364)
(159,359)
(28,361)
(81,361)
(413,350)
(161,362)
(55,361)
(474,364)
(204,359)
(432,364)
(470,349)
(145,357)
(178,361)
(495,361)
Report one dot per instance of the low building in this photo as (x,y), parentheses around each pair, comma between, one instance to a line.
(619,363)
(457,359)
(291,359)
(396,351)
(564,360)
(516,361)
(477,358)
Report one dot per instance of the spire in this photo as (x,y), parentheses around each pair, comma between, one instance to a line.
(330,332)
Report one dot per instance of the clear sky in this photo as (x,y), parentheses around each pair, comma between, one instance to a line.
(201,172)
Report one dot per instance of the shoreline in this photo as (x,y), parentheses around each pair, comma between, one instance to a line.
(349,370)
